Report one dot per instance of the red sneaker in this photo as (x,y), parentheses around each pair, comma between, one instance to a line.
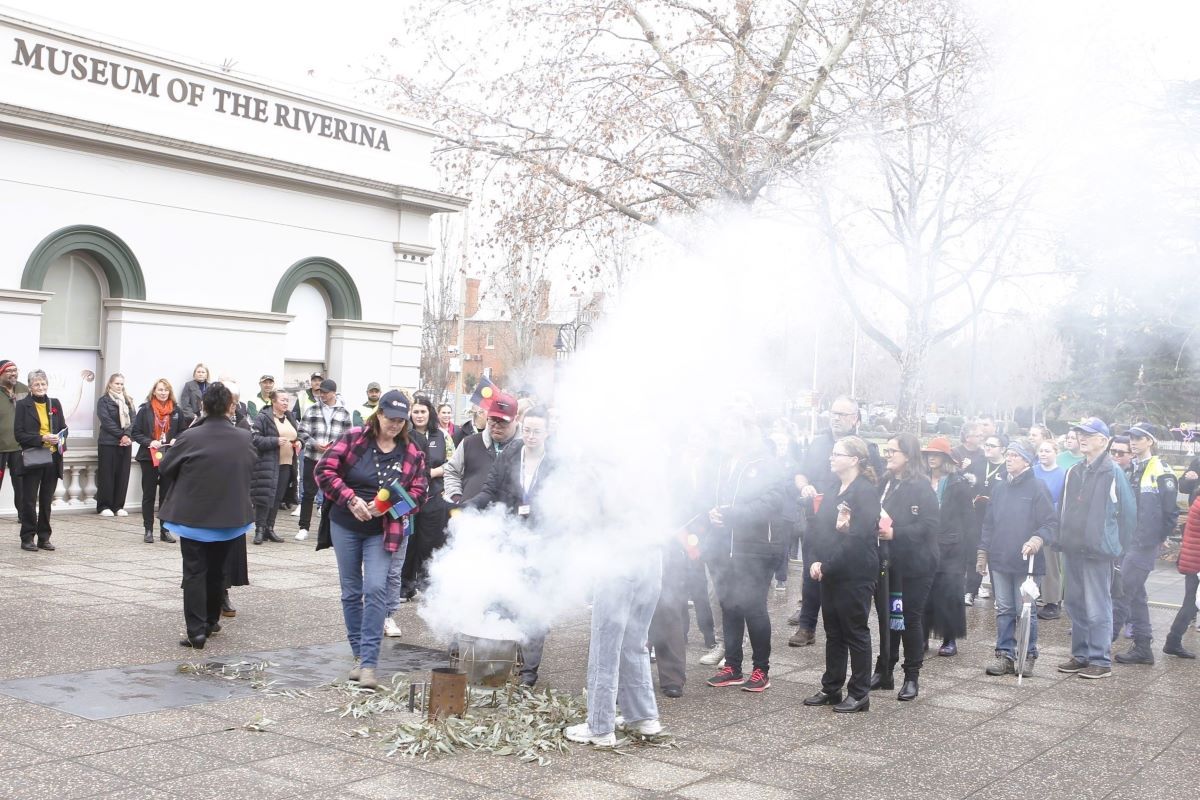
(728,676)
(758,681)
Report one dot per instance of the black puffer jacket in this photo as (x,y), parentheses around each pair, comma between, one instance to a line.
(913,507)
(954,520)
(265,435)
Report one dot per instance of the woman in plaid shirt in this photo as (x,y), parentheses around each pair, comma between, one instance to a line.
(365,539)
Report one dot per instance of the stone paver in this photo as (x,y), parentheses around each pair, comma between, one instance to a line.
(105,600)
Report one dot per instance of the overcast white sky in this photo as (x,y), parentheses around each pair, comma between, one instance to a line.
(279,41)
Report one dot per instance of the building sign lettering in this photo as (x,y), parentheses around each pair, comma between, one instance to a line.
(123,77)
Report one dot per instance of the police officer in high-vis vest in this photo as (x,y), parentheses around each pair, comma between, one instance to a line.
(1154,486)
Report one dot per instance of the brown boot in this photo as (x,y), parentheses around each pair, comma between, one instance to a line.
(802,637)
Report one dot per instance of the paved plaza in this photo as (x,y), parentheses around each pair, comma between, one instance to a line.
(106,601)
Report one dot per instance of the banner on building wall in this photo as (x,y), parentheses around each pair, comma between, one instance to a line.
(72,378)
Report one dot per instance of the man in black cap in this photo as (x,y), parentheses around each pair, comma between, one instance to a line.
(11,390)
(323,423)
(1157,512)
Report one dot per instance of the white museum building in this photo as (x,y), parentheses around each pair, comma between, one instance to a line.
(155,214)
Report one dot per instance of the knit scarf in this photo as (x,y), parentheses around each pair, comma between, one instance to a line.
(162,416)
(122,408)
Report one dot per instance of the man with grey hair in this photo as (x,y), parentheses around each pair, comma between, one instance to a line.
(11,390)
(816,478)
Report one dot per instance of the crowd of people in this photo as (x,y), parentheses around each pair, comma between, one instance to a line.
(910,528)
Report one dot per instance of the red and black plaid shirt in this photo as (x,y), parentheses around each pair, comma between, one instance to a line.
(345,452)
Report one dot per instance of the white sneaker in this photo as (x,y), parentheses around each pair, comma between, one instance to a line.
(301,535)
(390,628)
(984,593)
(583,735)
(122,512)
(296,511)
(968,600)
(717,653)
(107,513)
(646,727)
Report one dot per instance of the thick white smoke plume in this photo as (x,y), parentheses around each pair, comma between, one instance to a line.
(688,337)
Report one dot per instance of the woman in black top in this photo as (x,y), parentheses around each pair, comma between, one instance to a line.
(115,410)
(945,614)
(909,522)
(845,535)
(158,423)
(37,421)
(429,524)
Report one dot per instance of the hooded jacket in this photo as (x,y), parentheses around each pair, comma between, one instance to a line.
(1021,507)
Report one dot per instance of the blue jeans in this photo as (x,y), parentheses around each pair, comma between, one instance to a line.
(1088,600)
(393,578)
(363,569)
(1006,589)
(618,664)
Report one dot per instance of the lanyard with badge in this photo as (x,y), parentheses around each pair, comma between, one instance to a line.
(526,485)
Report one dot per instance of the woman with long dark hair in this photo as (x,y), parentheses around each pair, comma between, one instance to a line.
(208,508)
(945,614)
(364,537)
(846,539)
(156,427)
(909,523)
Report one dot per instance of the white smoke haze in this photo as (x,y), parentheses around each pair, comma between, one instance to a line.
(688,336)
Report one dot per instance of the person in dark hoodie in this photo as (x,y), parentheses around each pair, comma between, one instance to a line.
(909,522)
(1020,522)
(846,540)
(748,530)
(1157,495)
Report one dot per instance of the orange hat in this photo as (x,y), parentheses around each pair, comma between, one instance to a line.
(941,446)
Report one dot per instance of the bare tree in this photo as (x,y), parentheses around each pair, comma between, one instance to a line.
(921,220)
(523,289)
(440,314)
(638,108)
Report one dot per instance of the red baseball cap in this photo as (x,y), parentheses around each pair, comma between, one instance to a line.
(503,406)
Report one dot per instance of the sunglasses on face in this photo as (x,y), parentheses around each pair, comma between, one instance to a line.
(1121,452)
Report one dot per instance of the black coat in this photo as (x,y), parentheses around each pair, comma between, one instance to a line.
(27,427)
(750,495)
(1191,486)
(109,415)
(503,484)
(913,507)
(955,519)
(264,434)
(210,465)
(143,429)
(853,556)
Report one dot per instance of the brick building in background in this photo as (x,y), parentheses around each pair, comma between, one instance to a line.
(490,336)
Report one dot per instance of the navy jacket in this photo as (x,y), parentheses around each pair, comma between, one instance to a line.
(1021,507)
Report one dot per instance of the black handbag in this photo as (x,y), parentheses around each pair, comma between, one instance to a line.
(34,457)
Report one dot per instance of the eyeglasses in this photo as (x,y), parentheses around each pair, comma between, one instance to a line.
(887,452)
(991,444)
(836,453)
(1121,452)
(499,423)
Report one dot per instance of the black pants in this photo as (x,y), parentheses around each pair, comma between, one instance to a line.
(112,477)
(697,592)
(810,598)
(846,607)
(152,481)
(265,515)
(8,464)
(429,534)
(37,493)
(1187,612)
(203,582)
(742,588)
(310,493)
(914,593)
(668,626)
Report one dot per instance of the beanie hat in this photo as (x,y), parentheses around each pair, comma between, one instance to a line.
(1020,449)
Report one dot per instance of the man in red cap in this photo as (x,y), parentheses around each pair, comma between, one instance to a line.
(11,390)
(468,468)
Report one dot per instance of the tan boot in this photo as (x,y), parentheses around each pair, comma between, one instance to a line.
(356,670)
(367,679)
(802,637)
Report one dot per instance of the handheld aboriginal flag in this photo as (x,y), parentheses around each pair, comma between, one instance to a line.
(393,500)
(485,390)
